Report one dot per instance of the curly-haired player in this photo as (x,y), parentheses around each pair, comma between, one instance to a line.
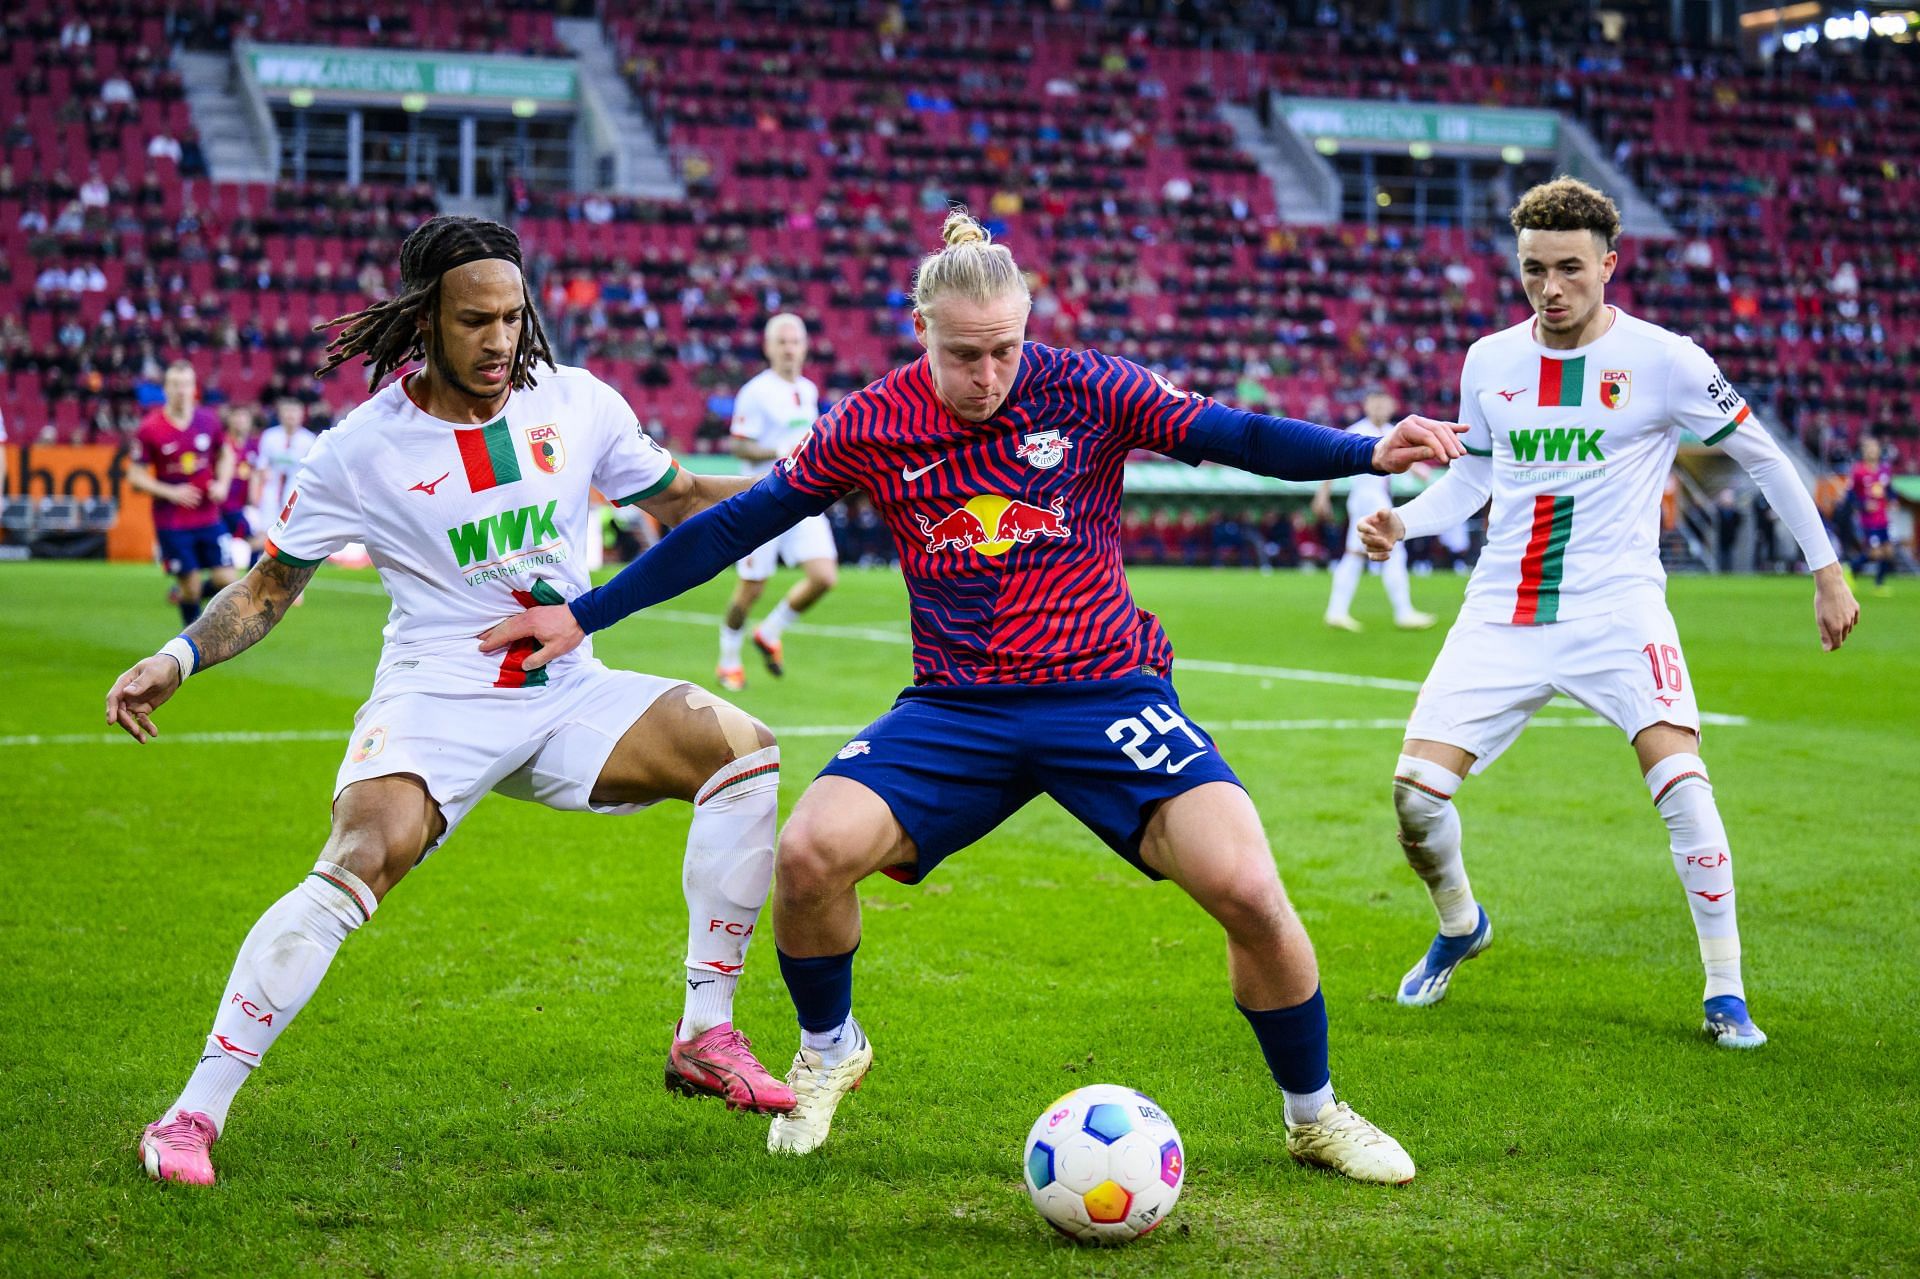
(467,480)
(1573,419)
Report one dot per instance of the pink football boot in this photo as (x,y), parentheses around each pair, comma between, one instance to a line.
(720,1063)
(178,1150)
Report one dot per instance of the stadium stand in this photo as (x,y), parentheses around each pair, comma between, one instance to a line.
(816,141)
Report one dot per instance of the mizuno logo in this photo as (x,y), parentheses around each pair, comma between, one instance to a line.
(695,985)
(232,1047)
(507,532)
(1508,395)
(1712,897)
(424,487)
(914,473)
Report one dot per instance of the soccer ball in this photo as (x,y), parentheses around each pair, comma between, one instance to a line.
(1104,1164)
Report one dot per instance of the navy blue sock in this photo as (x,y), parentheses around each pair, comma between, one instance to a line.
(822,989)
(189,612)
(1880,568)
(1294,1042)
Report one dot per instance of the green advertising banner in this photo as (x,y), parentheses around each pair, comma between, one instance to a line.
(1399,124)
(284,68)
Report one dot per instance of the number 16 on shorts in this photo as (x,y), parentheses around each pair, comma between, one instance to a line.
(1157,722)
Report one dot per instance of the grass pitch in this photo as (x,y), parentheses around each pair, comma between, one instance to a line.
(476,1088)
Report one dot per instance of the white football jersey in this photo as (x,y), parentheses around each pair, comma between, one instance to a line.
(281,453)
(470,524)
(774,412)
(1581,442)
(1367,493)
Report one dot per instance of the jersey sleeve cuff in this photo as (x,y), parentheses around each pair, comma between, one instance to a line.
(293,560)
(658,486)
(1477,452)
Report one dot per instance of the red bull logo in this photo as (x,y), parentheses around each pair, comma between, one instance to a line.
(994,525)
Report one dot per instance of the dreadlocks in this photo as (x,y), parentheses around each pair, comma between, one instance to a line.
(388,333)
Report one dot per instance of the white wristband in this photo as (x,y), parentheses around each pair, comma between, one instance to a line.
(181,650)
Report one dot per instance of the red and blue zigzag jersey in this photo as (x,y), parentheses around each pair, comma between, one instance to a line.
(1008,529)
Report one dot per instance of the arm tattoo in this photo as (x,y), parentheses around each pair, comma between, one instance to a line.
(240,616)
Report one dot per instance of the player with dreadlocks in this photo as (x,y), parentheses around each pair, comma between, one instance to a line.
(467,480)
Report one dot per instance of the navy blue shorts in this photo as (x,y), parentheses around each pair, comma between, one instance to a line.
(190,550)
(236,524)
(1876,536)
(953,763)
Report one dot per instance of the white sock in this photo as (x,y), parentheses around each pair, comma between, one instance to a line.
(726,874)
(836,1045)
(279,967)
(1430,836)
(1304,1108)
(730,641)
(1393,575)
(1684,797)
(779,620)
(1346,580)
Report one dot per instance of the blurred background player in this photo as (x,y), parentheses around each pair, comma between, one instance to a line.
(1574,418)
(177,455)
(771,415)
(283,447)
(1870,493)
(1365,495)
(237,485)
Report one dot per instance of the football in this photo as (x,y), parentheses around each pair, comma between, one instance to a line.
(1104,1164)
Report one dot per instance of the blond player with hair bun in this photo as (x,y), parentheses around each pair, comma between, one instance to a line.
(996,464)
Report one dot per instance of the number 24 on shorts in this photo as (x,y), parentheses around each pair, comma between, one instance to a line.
(1159,721)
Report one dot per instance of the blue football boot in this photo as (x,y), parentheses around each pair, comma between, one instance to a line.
(1728,1024)
(1426,982)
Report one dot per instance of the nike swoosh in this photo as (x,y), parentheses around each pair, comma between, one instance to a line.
(1174,768)
(908,474)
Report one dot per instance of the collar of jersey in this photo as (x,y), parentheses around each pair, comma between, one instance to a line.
(1573,353)
(419,408)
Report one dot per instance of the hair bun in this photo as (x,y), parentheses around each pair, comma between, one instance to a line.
(961,228)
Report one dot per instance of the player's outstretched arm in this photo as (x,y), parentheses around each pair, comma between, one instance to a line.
(237,619)
(1290,449)
(1463,490)
(1416,441)
(690,494)
(1835,610)
(692,553)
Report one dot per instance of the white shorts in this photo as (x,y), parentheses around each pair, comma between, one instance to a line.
(1625,666)
(810,539)
(546,745)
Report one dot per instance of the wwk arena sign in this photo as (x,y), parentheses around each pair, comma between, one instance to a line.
(321,73)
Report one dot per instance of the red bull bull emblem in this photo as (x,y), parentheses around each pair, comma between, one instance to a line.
(994,525)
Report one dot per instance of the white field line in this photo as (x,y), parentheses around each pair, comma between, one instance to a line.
(1182,665)
(803,730)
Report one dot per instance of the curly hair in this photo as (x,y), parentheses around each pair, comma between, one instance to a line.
(387,334)
(1568,204)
